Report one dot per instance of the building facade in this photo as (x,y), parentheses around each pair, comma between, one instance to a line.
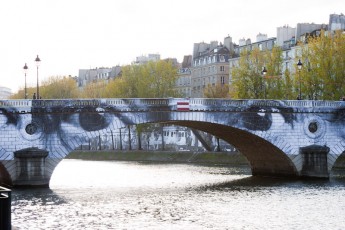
(210,65)
(145,59)
(5,92)
(184,74)
(87,76)
(336,22)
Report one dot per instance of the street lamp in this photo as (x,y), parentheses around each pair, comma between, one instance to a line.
(299,67)
(38,61)
(25,68)
(264,72)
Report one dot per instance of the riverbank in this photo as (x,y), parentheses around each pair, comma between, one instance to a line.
(231,158)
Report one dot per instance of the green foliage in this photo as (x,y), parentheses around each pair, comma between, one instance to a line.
(21,93)
(322,76)
(249,81)
(94,90)
(217,91)
(323,72)
(151,80)
(59,87)
(54,87)
(274,81)
(247,77)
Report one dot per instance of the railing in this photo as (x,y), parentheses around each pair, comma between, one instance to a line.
(5,208)
(167,101)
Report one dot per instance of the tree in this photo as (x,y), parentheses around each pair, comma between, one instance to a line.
(288,86)
(94,90)
(217,91)
(274,80)
(21,93)
(249,82)
(247,77)
(323,71)
(116,88)
(54,87)
(151,80)
(59,87)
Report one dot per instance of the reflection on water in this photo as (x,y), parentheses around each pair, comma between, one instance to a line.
(124,195)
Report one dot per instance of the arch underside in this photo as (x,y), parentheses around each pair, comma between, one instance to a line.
(264,158)
(5,178)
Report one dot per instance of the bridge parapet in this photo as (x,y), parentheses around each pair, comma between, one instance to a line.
(194,103)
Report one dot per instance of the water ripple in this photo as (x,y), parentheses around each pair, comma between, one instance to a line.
(120,195)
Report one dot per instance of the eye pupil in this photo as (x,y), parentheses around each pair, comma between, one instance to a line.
(92,121)
(313,127)
(31,129)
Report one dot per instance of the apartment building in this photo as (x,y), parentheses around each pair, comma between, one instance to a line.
(184,82)
(145,59)
(87,76)
(336,22)
(210,65)
(5,92)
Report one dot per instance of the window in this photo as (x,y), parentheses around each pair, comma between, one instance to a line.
(222,80)
(222,68)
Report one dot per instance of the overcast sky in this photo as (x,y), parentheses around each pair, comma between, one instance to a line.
(69,35)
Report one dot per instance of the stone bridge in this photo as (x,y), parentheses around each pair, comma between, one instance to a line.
(278,138)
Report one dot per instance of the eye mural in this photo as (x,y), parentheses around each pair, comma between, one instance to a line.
(68,120)
(60,126)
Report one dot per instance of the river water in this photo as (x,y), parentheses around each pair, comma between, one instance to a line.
(130,195)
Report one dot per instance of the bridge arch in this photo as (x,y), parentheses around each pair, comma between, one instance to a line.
(264,157)
(5,177)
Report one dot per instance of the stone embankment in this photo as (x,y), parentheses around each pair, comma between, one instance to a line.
(232,158)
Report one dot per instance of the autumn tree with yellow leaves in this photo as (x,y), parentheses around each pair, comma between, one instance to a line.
(323,73)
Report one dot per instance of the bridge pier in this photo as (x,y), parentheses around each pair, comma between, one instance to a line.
(30,168)
(314,161)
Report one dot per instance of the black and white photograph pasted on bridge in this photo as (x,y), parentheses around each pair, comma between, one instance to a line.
(276,137)
(280,139)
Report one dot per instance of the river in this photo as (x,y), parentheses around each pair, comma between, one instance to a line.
(131,195)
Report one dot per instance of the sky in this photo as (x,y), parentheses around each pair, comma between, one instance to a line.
(69,35)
